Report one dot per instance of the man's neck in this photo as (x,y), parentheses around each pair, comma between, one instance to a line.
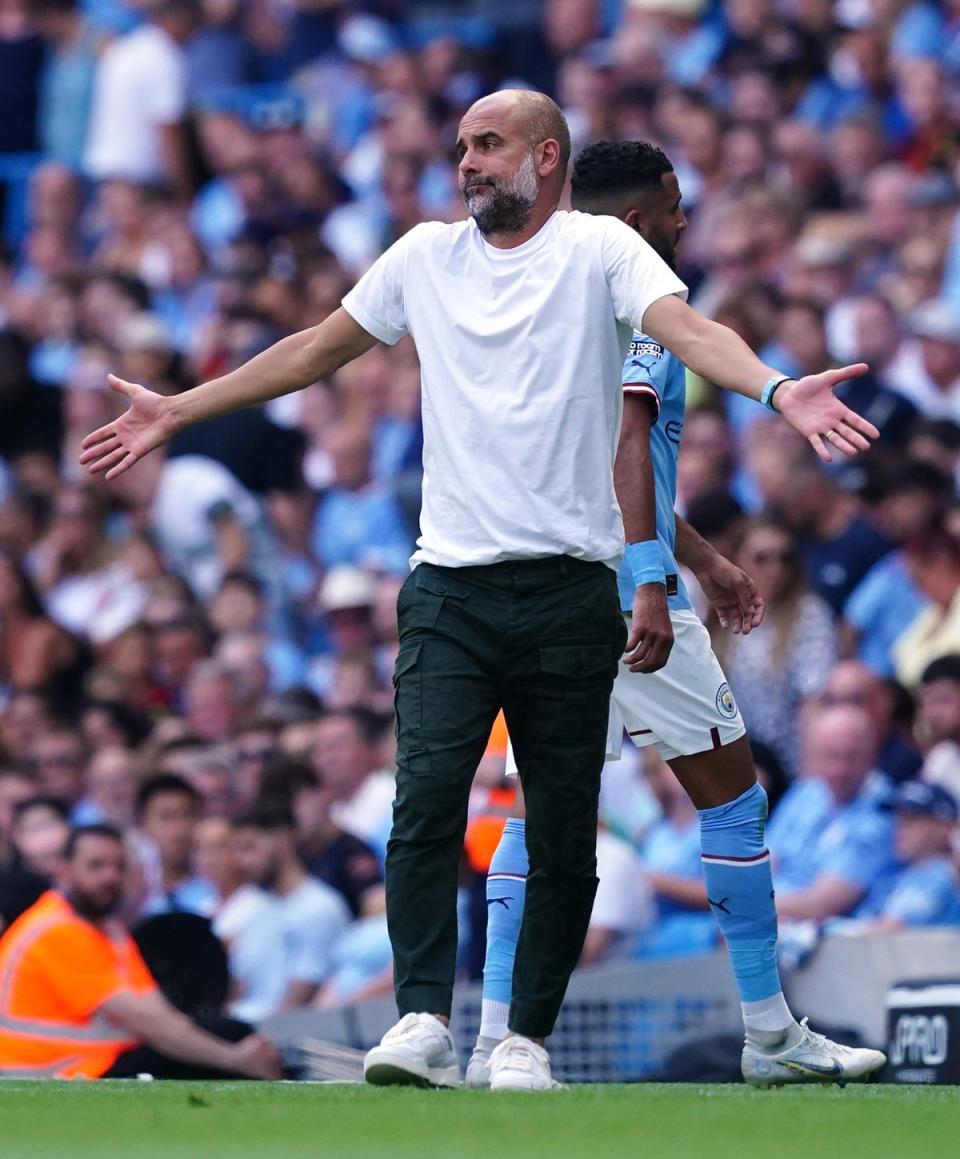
(290,878)
(509,241)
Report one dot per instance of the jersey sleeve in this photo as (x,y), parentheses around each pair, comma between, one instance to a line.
(376,302)
(636,275)
(644,371)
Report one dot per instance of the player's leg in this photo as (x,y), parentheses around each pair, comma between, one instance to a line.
(446,702)
(699,732)
(556,706)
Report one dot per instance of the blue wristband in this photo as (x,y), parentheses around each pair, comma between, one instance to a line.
(645,561)
(769,389)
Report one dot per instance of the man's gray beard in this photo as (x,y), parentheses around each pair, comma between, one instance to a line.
(507,208)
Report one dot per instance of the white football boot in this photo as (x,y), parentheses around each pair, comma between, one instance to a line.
(417,1052)
(813,1058)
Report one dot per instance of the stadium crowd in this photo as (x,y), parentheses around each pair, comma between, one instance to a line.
(200,652)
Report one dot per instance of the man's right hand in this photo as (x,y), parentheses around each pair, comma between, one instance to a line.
(146,424)
(651,633)
(257,1058)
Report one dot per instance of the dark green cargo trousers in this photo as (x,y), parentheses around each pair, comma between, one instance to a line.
(541,639)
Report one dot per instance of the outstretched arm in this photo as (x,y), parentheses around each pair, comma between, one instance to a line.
(732,593)
(718,354)
(288,365)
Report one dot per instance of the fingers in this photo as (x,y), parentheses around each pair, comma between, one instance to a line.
(98,436)
(651,653)
(121,386)
(125,463)
(842,373)
(820,446)
(858,423)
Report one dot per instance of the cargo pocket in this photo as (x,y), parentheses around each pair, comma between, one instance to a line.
(408,690)
(585,674)
(432,592)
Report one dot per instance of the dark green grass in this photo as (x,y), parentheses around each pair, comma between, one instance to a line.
(294,1121)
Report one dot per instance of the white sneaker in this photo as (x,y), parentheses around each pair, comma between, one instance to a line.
(478,1068)
(812,1059)
(417,1052)
(518,1064)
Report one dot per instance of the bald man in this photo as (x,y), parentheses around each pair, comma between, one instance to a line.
(522,317)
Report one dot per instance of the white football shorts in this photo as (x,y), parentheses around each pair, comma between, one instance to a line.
(685,708)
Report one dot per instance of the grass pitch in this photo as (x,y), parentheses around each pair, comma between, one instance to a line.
(131,1120)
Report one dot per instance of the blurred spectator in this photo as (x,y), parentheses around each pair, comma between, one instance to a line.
(830,839)
(111,781)
(167,812)
(38,836)
(346,760)
(16,786)
(69,964)
(284,956)
(933,560)
(783,664)
(851,682)
(330,854)
(888,600)
(926,891)
(136,129)
(837,545)
(255,744)
(59,757)
(21,60)
(35,652)
(66,87)
(938,721)
(929,369)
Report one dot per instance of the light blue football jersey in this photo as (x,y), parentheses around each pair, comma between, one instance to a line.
(653,371)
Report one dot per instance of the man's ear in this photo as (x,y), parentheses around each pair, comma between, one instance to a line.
(632,218)
(547,156)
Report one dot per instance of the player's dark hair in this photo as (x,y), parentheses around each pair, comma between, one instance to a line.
(110,832)
(607,170)
(160,784)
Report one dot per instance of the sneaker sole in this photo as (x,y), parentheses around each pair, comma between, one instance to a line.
(398,1073)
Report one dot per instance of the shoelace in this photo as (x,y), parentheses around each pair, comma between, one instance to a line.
(820,1041)
(405,1028)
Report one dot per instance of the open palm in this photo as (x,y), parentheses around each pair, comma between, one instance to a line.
(812,408)
(114,448)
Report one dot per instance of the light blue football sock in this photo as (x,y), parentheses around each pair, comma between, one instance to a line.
(506,890)
(736,868)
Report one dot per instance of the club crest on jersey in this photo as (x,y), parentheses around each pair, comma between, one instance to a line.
(726,705)
(645,348)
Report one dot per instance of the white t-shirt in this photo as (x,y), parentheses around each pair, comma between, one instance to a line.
(140,86)
(521,354)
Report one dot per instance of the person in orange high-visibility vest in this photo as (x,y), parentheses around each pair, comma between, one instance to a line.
(77,1000)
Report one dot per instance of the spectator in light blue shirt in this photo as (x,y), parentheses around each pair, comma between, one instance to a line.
(926,891)
(831,838)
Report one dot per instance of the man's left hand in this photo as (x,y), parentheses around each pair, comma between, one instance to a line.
(810,406)
(733,596)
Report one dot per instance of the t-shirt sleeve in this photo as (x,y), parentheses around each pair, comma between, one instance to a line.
(864,853)
(83,970)
(376,302)
(636,275)
(645,369)
(311,958)
(921,897)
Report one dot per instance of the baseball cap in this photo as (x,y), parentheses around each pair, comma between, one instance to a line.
(937,319)
(924,799)
(345,586)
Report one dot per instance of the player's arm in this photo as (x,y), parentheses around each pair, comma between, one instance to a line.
(732,593)
(716,353)
(829,896)
(290,364)
(690,892)
(150,1018)
(651,634)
